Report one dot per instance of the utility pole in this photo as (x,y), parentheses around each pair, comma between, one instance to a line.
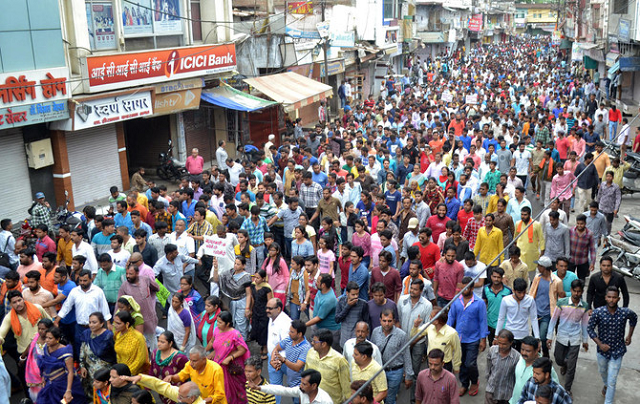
(324,47)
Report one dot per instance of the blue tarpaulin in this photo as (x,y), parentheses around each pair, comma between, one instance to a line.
(228,97)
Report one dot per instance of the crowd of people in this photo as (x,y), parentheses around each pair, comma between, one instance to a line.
(332,251)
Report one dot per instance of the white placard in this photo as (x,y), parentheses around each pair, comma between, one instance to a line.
(215,247)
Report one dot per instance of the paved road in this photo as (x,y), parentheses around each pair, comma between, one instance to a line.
(588,384)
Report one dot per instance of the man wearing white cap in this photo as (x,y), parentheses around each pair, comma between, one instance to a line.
(410,238)
(267,147)
(41,212)
(546,289)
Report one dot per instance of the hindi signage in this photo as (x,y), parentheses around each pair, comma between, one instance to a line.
(115,71)
(35,86)
(215,246)
(475,23)
(471,99)
(89,112)
(22,115)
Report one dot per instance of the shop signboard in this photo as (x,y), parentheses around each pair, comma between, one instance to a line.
(124,70)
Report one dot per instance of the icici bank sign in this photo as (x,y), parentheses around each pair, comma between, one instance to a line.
(123,70)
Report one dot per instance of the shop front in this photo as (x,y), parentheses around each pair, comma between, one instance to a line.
(91,145)
(28,100)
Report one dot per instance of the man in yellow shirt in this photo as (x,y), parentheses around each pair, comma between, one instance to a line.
(206,374)
(188,393)
(489,242)
(333,367)
(65,256)
(442,336)
(532,242)
(618,170)
(603,161)
(364,367)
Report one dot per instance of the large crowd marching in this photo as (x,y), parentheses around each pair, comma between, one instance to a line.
(329,253)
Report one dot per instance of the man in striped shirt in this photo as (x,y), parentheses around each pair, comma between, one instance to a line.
(571,315)
(502,360)
(253,373)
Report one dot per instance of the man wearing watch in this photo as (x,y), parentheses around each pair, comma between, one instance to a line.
(294,348)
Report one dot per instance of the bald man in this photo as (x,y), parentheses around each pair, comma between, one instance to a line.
(143,269)
(187,393)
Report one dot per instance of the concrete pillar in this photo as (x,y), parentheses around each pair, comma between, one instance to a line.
(122,155)
(61,171)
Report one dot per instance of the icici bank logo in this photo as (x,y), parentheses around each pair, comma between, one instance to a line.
(172,64)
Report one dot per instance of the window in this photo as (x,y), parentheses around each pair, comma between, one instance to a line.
(196,26)
(620,7)
(389,9)
(150,24)
(100,20)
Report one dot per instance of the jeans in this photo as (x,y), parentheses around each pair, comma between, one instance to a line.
(275,376)
(613,129)
(278,235)
(442,301)
(567,356)
(543,323)
(416,361)
(294,311)
(286,249)
(240,322)
(394,379)
(609,369)
(260,256)
(469,366)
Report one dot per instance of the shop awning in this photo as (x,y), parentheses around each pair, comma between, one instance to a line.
(228,97)
(294,91)
(630,64)
(613,69)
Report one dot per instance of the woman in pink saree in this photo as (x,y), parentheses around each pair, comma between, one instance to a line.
(34,380)
(230,352)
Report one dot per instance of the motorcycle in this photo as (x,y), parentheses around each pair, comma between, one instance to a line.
(169,167)
(72,219)
(631,177)
(625,254)
(631,273)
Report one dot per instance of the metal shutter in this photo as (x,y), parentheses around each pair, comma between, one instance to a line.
(93,163)
(16,197)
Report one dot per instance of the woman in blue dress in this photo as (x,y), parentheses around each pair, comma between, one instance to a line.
(56,367)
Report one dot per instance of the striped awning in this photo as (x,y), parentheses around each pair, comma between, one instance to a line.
(292,90)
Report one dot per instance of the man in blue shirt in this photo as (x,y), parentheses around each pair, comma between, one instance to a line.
(468,315)
(453,204)
(319,176)
(188,203)
(244,187)
(610,322)
(123,217)
(67,323)
(324,307)
(359,273)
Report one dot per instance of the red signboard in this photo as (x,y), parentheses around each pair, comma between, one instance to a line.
(116,71)
(300,7)
(475,23)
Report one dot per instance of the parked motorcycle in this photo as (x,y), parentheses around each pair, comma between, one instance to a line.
(624,254)
(631,177)
(72,219)
(169,167)
(631,273)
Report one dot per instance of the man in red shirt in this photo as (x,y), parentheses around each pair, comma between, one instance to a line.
(465,213)
(388,275)
(438,222)
(615,117)
(563,144)
(447,277)
(429,252)
(195,163)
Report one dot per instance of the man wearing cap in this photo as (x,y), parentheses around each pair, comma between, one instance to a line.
(409,238)
(41,212)
(546,289)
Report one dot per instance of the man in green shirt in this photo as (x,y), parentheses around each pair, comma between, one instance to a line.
(109,278)
(492,295)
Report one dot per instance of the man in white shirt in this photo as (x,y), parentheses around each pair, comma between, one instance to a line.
(159,239)
(83,248)
(362,332)
(86,298)
(307,392)
(234,171)
(522,162)
(186,245)
(222,155)
(119,255)
(515,312)
(279,325)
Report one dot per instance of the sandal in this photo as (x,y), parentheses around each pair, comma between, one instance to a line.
(264,356)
